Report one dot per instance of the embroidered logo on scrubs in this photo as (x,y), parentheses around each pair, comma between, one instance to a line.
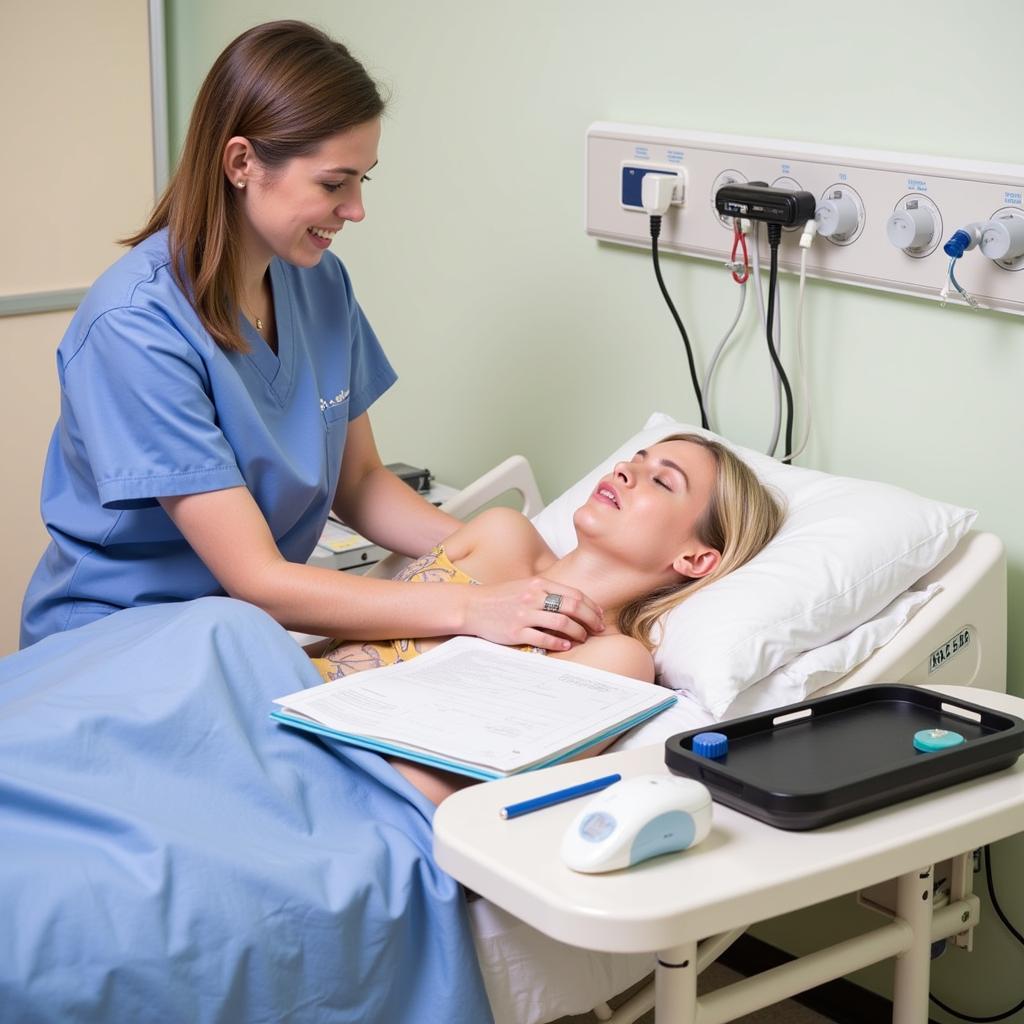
(330,403)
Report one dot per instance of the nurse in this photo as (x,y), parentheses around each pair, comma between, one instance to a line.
(216,380)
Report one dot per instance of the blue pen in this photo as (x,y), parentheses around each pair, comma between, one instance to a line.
(558,796)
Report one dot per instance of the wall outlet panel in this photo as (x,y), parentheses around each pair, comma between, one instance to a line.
(961,191)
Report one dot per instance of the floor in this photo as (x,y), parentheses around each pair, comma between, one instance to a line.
(715,976)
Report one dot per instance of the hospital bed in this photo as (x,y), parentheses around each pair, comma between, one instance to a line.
(957,637)
(169,853)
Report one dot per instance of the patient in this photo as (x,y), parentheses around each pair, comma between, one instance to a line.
(677,517)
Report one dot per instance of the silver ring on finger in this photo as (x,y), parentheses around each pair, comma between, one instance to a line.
(553,602)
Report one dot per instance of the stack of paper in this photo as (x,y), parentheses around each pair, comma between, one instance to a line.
(476,708)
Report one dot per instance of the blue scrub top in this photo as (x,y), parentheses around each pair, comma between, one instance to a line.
(152,407)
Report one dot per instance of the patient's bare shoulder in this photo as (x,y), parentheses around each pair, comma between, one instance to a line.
(615,653)
(498,544)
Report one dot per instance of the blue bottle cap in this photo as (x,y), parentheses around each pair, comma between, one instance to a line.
(928,740)
(711,744)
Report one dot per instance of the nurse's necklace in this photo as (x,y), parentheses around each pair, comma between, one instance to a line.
(257,321)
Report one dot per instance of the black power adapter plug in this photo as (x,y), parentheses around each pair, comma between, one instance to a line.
(778,208)
(756,200)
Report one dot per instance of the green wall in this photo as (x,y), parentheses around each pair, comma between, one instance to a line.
(514,332)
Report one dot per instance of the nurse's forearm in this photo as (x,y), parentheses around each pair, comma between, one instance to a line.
(389,512)
(227,531)
(352,607)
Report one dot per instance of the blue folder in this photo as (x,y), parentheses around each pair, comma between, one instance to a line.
(474,771)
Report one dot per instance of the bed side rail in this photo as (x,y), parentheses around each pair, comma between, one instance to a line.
(514,474)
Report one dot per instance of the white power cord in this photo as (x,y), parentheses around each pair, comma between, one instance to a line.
(720,347)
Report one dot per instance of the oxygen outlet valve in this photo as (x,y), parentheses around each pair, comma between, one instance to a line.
(1002,238)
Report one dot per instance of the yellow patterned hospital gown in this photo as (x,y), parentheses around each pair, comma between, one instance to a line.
(346,657)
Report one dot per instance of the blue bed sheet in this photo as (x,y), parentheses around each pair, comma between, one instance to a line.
(168,853)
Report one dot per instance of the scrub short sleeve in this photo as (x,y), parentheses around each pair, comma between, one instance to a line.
(141,414)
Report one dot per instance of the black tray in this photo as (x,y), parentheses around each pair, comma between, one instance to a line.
(810,764)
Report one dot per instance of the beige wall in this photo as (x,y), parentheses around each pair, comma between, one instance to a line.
(76,173)
(27,414)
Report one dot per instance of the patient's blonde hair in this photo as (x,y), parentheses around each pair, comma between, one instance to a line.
(741,517)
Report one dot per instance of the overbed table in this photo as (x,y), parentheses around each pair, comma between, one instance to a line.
(744,872)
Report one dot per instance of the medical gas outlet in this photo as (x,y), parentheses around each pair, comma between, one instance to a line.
(632,182)
(915,226)
(1002,239)
(999,239)
(840,215)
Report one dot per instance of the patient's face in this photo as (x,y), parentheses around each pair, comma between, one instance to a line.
(646,510)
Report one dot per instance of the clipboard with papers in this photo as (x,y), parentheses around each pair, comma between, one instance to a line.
(476,708)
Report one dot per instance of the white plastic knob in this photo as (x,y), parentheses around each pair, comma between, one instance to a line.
(837,217)
(910,229)
(1003,239)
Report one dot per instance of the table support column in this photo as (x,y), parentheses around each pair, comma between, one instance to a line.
(675,985)
(910,984)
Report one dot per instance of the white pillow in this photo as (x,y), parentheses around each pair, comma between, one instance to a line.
(846,550)
(810,671)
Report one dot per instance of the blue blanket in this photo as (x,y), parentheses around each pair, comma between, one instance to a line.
(167,853)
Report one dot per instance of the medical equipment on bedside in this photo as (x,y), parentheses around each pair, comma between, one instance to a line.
(745,872)
(635,820)
(828,759)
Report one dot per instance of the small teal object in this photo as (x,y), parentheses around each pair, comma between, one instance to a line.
(929,740)
(711,744)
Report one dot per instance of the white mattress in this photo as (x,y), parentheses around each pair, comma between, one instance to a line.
(531,978)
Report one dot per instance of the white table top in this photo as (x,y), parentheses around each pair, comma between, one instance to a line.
(745,871)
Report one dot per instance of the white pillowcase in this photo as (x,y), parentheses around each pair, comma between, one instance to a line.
(846,550)
(812,670)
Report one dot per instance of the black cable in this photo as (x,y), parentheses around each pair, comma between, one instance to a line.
(976,1020)
(995,903)
(774,238)
(655,232)
(1013,931)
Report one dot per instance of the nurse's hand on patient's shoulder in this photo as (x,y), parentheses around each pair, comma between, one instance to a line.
(513,613)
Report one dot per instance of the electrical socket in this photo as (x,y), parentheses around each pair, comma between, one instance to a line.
(631,183)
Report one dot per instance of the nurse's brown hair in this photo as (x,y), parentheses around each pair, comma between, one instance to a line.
(286,87)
